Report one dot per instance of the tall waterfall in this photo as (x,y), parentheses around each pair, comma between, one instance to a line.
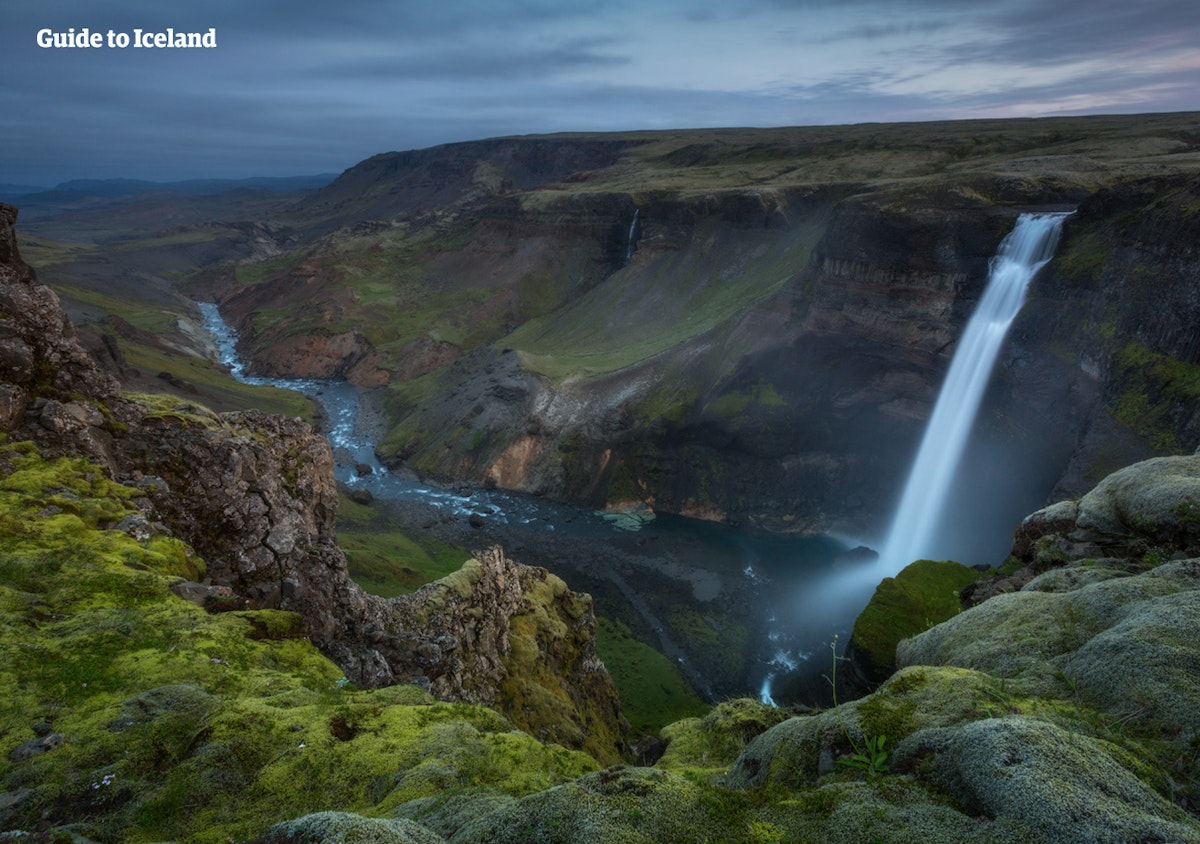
(830,603)
(1022,253)
(632,230)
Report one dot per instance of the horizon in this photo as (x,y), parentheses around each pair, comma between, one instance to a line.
(59,184)
(315,89)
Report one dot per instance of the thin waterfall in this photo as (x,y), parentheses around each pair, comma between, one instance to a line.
(629,237)
(1022,253)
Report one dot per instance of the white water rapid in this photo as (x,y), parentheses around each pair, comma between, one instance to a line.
(1022,253)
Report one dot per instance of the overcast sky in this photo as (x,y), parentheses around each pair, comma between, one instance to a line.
(308,86)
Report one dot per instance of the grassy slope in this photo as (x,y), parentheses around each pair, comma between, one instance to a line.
(653,692)
(640,312)
(210,385)
(387,561)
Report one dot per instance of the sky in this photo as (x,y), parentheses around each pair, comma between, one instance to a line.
(296,87)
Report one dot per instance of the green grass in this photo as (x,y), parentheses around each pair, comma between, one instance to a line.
(166,241)
(152,319)
(44,252)
(641,312)
(387,561)
(215,387)
(653,692)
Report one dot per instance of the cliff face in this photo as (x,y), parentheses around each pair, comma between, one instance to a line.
(254,495)
(745,325)
(45,371)
(800,407)
(781,404)
(1108,343)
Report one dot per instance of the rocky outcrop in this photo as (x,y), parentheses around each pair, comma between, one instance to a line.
(1138,516)
(921,595)
(255,496)
(49,385)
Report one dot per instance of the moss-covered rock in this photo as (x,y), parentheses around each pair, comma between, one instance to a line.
(895,812)
(1158,499)
(462,813)
(921,595)
(970,761)
(157,720)
(616,806)
(798,752)
(1053,784)
(712,743)
(517,638)
(1123,644)
(345,828)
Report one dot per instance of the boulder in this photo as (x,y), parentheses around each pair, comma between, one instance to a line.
(1047,783)
(1124,645)
(346,828)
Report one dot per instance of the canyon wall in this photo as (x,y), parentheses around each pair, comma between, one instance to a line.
(668,326)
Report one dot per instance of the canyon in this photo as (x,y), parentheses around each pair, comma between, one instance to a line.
(746,327)
(743,326)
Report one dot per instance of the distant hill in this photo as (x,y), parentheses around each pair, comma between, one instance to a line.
(126,187)
(12,190)
(192,187)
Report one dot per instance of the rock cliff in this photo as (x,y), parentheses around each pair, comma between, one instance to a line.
(749,327)
(255,496)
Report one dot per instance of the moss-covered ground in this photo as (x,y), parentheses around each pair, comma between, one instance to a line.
(170,723)
(923,594)
(158,721)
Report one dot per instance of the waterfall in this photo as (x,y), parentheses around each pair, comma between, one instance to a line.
(1022,253)
(629,237)
(831,602)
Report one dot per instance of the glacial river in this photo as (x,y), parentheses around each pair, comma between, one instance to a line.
(667,569)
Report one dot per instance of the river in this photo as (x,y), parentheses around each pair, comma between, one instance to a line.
(723,603)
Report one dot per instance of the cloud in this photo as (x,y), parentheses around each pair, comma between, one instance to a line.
(468,63)
(307,85)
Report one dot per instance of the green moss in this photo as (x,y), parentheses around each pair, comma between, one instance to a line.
(732,405)
(653,692)
(711,743)
(923,594)
(187,726)
(1082,256)
(1151,386)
